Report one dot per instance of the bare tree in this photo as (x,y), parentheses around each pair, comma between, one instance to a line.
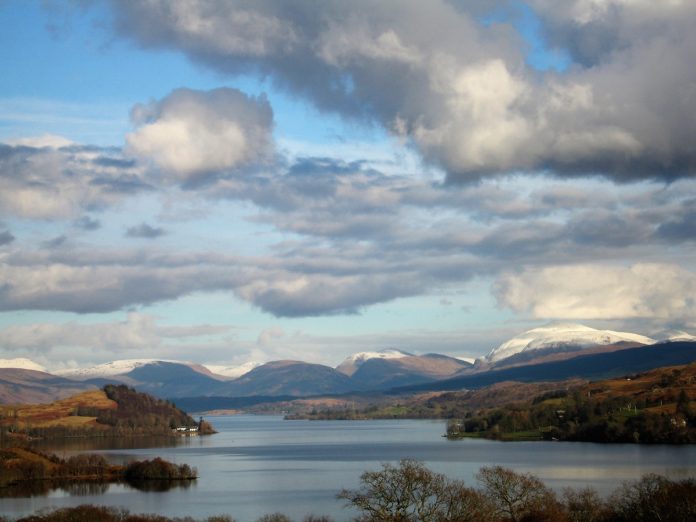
(411,492)
(517,496)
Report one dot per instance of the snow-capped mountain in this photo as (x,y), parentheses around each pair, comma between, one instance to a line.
(673,336)
(351,363)
(233,372)
(106,370)
(21,363)
(559,336)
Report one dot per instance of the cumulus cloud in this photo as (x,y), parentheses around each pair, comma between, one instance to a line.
(594,291)
(460,91)
(190,133)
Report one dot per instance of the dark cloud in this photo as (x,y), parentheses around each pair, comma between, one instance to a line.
(681,228)
(104,161)
(122,184)
(6,237)
(55,242)
(459,90)
(145,231)
(87,223)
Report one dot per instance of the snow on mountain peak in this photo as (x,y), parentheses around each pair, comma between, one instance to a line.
(561,335)
(232,372)
(109,369)
(21,363)
(351,363)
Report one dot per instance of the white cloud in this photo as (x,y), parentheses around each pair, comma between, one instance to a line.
(460,91)
(45,140)
(267,336)
(654,291)
(190,133)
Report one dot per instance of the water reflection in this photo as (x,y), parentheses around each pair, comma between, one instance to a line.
(60,488)
(80,444)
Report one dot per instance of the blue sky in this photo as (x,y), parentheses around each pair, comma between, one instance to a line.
(254,182)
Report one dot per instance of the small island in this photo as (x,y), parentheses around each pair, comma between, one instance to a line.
(22,465)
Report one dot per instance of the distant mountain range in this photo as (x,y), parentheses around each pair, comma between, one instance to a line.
(542,353)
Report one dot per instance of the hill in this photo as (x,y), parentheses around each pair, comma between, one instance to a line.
(383,373)
(113,411)
(294,378)
(25,386)
(658,406)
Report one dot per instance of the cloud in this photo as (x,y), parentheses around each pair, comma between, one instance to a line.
(44,141)
(47,183)
(87,223)
(6,237)
(458,90)
(55,242)
(267,336)
(654,291)
(190,133)
(145,231)
(136,333)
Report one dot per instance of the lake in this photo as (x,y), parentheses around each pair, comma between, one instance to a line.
(263,464)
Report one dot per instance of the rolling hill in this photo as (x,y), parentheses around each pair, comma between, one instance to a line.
(21,386)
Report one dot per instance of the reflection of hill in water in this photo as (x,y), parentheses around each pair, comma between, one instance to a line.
(108,443)
(40,488)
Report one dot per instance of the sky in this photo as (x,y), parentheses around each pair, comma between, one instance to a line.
(232,181)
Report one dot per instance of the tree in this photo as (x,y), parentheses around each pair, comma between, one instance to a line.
(411,492)
(517,496)
(654,499)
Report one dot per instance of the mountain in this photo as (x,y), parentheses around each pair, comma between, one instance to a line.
(22,363)
(120,368)
(562,337)
(20,386)
(293,378)
(592,366)
(351,363)
(172,379)
(380,373)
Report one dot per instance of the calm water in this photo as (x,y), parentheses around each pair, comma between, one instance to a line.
(259,465)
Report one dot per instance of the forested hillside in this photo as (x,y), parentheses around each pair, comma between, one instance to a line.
(113,411)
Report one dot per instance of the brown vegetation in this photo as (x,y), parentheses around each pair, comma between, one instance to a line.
(652,407)
(113,411)
(413,493)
